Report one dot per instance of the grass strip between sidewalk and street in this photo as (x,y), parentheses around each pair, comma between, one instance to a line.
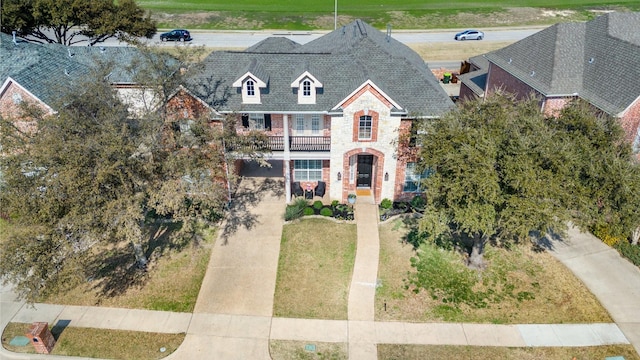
(314,269)
(307,350)
(100,343)
(415,352)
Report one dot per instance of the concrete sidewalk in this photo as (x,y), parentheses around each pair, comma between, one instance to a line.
(612,279)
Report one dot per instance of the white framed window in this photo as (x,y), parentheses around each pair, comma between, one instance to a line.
(308,124)
(307,170)
(251,88)
(256,121)
(353,160)
(299,123)
(315,124)
(413,179)
(364,127)
(306,88)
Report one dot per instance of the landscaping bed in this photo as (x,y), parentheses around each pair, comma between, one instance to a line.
(301,207)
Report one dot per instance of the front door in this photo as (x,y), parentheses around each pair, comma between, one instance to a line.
(365,166)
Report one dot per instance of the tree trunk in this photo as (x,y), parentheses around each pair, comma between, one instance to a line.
(476,257)
(141,258)
(635,236)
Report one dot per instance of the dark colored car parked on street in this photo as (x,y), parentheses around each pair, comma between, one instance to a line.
(176,35)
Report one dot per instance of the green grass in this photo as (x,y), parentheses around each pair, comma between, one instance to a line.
(296,350)
(101,343)
(171,284)
(410,352)
(558,296)
(314,269)
(410,14)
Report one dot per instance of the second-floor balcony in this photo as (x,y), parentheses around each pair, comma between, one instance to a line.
(296,143)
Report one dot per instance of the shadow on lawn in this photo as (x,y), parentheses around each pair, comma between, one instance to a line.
(250,192)
(115,271)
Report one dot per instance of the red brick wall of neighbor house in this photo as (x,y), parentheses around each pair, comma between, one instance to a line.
(552,106)
(466,93)
(11,109)
(498,79)
(630,121)
(185,106)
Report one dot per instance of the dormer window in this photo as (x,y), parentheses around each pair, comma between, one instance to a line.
(250,86)
(307,86)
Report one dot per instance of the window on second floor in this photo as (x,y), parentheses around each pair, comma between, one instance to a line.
(365,127)
(256,121)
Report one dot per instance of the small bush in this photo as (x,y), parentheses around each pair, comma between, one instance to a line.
(295,210)
(326,212)
(309,211)
(418,202)
(386,204)
(603,232)
(317,205)
(335,203)
(630,251)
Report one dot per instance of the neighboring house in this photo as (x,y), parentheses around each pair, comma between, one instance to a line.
(597,61)
(40,74)
(333,108)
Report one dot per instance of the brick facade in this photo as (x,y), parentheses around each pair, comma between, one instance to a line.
(498,79)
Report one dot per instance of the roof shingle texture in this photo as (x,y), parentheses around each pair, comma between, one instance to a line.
(342,60)
(598,60)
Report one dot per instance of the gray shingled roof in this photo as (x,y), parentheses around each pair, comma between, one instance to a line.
(342,60)
(46,70)
(42,70)
(598,60)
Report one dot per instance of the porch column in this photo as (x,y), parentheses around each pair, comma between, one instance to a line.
(287,159)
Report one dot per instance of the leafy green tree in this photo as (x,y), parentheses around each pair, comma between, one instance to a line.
(95,176)
(72,21)
(503,170)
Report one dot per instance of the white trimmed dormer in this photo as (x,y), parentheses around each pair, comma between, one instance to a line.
(306,85)
(250,86)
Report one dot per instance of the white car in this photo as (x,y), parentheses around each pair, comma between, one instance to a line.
(469,35)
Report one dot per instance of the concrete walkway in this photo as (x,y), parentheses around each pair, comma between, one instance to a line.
(362,291)
(611,278)
(233,314)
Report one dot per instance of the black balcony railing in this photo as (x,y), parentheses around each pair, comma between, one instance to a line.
(301,143)
(296,143)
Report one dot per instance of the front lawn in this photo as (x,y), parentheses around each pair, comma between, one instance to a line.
(553,293)
(314,269)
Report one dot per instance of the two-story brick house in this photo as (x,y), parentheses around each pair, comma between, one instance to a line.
(333,108)
(597,61)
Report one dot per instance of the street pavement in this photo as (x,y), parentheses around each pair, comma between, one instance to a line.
(233,314)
